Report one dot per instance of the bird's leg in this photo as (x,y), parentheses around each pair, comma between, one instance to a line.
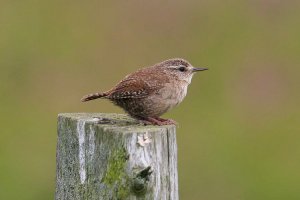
(166,121)
(151,121)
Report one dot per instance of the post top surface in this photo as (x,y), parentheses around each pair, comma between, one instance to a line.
(111,120)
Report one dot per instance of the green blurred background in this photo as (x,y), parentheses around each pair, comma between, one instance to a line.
(239,127)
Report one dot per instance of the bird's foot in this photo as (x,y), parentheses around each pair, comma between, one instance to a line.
(166,121)
(157,121)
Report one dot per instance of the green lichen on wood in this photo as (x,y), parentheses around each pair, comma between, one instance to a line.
(115,169)
(116,176)
(123,191)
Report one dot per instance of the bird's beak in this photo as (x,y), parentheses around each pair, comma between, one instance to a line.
(197,69)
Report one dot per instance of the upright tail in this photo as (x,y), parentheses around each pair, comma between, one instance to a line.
(93,96)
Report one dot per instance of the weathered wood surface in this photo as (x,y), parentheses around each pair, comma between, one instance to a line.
(110,156)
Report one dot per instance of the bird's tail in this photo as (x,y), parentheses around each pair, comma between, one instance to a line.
(93,96)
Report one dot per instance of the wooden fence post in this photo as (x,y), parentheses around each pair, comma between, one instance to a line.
(112,157)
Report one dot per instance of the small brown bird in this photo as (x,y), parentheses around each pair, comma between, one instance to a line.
(152,91)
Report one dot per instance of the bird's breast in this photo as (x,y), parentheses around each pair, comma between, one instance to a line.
(161,101)
(172,94)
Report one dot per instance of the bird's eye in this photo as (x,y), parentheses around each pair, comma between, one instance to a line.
(182,68)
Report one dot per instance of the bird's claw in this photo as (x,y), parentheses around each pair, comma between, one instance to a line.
(158,121)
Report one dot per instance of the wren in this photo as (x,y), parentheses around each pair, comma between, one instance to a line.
(151,91)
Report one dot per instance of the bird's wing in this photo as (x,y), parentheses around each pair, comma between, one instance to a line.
(132,87)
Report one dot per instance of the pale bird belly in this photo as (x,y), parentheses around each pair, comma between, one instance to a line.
(167,98)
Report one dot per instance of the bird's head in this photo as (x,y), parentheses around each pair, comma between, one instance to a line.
(180,69)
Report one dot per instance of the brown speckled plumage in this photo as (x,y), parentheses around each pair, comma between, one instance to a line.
(150,92)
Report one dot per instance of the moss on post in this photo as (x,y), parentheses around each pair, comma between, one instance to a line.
(116,175)
(116,167)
